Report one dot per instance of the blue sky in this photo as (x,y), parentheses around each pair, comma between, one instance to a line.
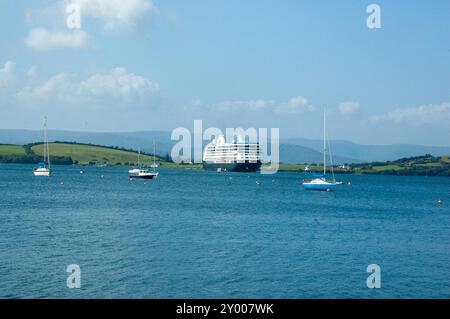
(158,65)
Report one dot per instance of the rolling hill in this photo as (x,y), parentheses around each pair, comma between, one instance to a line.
(89,154)
(11,149)
(72,153)
(370,153)
(294,150)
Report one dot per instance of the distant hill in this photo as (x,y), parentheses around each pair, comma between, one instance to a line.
(426,165)
(370,153)
(129,140)
(297,150)
(73,153)
(290,153)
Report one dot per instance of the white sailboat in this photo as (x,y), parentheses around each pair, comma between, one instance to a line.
(43,168)
(320,182)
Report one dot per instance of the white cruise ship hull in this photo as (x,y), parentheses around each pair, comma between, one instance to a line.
(233,167)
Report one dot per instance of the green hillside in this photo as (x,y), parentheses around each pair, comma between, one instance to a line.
(12,150)
(90,154)
(419,165)
(67,153)
(74,153)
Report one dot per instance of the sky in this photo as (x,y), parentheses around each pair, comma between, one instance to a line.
(141,65)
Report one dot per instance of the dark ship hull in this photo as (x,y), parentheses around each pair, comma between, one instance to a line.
(233,167)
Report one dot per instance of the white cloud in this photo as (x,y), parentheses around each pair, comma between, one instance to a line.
(49,24)
(7,76)
(417,116)
(250,105)
(298,104)
(348,107)
(41,39)
(115,89)
(118,14)
(7,70)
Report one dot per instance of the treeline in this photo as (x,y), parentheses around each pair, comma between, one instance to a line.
(34,159)
(413,171)
(425,165)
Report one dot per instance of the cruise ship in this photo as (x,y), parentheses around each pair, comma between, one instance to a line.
(237,156)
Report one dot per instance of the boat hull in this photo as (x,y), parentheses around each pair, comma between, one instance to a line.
(233,167)
(319,187)
(150,176)
(42,173)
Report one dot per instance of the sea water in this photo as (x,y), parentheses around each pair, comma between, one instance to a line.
(199,234)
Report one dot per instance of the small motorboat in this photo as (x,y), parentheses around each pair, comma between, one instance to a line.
(142,173)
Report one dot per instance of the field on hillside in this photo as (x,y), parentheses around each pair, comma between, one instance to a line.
(85,154)
(12,150)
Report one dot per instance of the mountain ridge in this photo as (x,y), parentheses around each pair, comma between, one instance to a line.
(292,150)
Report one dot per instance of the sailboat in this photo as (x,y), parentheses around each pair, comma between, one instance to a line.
(320,183)
(43,168)
(143,172)
(154,165)
(136,170)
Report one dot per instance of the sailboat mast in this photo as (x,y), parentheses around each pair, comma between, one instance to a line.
(154,160)
(46,151)
(324,142)
(46,143)
(139,157)
(45,138)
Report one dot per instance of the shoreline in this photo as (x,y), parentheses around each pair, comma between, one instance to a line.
(198,167)
(71,153)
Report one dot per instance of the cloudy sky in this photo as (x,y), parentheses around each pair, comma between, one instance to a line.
(157,65)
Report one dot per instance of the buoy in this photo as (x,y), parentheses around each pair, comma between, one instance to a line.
(440,201)
(349,183)
(81,172)
(62,183)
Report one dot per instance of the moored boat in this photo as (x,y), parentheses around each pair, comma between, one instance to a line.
(43,168)
(319,182)
(143,173)
(237,156)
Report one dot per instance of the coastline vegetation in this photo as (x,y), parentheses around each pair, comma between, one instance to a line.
(68,153)
(426,165)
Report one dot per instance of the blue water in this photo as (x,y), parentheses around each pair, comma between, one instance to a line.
(197,234)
